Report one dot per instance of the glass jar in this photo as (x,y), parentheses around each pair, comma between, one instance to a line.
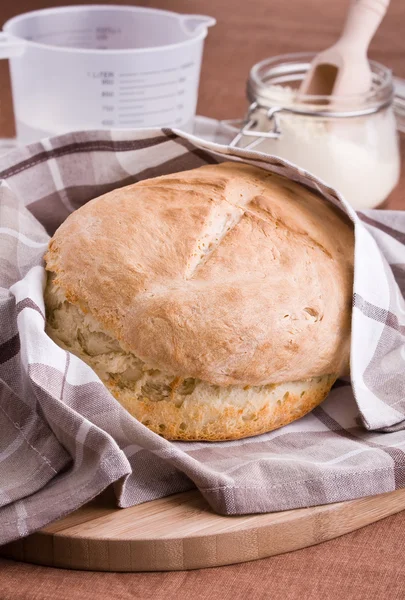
(349,142)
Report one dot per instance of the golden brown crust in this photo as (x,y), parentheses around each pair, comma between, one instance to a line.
(225,273)
(215,421)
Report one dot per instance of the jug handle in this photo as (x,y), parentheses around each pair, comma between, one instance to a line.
(197,22)
(10,46)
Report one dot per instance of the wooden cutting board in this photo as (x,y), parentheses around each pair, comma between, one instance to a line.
(181,532)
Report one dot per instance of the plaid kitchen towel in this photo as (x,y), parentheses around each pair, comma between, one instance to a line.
(64,438)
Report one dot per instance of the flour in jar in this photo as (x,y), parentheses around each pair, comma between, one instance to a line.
(359,157)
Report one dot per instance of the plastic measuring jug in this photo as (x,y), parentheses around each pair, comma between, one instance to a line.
(103,67)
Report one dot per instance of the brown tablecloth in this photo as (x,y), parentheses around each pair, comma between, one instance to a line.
(360,565)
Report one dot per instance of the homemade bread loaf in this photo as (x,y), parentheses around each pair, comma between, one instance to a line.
(213,303)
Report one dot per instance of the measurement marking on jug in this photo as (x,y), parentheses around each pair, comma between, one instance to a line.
(171,70)
(137,87)
(131,87)
(128,74)
(138,93)
(134,86)
(136,107)
(151,98)
(125,100)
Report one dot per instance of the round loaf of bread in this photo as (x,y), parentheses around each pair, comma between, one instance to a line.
(213,303)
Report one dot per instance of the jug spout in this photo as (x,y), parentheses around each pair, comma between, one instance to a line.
(196,24)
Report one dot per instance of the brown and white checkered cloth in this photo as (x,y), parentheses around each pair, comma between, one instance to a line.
(64,438)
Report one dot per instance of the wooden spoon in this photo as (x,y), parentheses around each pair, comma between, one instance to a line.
(344,69)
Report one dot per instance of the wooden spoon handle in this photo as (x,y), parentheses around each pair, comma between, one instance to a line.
(363,19)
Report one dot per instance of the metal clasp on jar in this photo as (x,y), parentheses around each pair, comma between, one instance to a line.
(251,122)
(272,114)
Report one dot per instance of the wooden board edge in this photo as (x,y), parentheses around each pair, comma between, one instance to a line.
(203,551)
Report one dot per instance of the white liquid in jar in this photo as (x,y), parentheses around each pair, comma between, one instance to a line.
(359,158)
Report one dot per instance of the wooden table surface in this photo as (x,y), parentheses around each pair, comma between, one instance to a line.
(359,565)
